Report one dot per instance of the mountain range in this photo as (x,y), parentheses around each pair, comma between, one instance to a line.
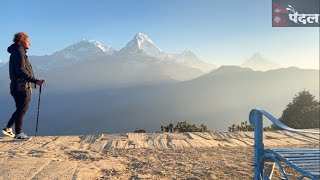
(139,55)
(140,62)
(92,88)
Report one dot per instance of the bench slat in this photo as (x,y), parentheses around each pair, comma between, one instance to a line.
(313,171)
(295,156)
(310,161)
(303,158)
(309,165)
(297,152)
(304,161)
(295,149)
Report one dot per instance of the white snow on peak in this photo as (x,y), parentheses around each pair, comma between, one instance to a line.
(259,63)
(102,46)
(85,49)
(144,41)
(188,53)
(89,45)
(142,44)
(138,51)
(188,58)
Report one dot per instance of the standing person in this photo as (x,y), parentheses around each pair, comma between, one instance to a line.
(170,127)
(22,81)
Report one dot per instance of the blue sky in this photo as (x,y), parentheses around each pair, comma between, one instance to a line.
(221,32)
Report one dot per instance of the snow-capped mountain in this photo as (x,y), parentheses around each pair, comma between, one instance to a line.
(258,63)
(140,55)
(83,50)
(141,44)
(189,59)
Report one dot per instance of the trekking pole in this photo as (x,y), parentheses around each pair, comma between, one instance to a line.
(38,112)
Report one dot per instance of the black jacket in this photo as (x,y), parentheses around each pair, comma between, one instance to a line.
(20,67)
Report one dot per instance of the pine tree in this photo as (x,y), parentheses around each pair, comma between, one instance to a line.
(302,112)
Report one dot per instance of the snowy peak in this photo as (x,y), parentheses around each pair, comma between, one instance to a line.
(258,63)
(256,58)
(189,54)
(105,48)
(188,58)
(185,57)
(141,51)
(81,51)
(86,46)
(142,44)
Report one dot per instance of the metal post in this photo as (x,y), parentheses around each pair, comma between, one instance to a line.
(258,144)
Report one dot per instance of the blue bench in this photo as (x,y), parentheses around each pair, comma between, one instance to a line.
(303,160)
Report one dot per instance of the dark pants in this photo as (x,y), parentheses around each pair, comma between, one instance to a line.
(22,100)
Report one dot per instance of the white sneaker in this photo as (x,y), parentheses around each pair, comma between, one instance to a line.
(8,132)
(21,136)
